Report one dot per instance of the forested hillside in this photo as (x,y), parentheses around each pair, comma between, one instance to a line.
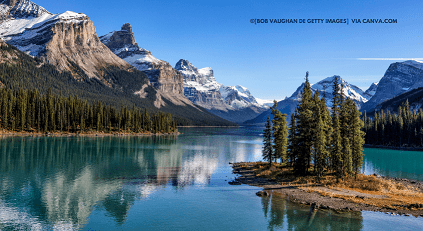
(21,71)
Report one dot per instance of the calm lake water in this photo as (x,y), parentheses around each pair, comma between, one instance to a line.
(165,183)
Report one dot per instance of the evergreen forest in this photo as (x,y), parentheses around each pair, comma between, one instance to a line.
(30,111)
(401,129)
(318,141)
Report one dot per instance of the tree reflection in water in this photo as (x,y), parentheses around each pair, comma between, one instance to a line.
(283,214)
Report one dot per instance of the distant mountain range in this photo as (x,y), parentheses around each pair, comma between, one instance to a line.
(66,54)
(402,81)
(325,88)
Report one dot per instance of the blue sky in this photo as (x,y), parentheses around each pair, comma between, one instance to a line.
(269,59)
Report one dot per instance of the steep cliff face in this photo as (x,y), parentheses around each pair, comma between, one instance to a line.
(160,73)
(65,40)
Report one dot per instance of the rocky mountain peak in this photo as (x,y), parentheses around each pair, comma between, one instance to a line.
(126,27)
(185,65)
(399,78)
(162,76)
(120,39)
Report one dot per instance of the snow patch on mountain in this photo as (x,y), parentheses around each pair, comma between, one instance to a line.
(142,59)
(353,92)
(14,26)
(265,102)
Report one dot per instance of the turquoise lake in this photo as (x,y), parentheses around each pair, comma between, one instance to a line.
(166,183)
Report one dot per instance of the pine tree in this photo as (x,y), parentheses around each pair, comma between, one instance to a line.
(336,152)
(293,139)
(320,152)
(267,152)
(280,134)
(357,141)
(304,125)
(345,136)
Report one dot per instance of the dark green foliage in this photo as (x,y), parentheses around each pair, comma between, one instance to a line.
(305,123)
(280,134)
(357,140)
(320,146)
(267,142)
(31,111)
(402,129)
(332,142)
(293,139)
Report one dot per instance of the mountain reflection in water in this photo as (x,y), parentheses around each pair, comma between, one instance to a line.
(58,179)
(159,183)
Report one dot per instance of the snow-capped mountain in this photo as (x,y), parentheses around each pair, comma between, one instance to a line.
(63,40)
(234,103)
(124,45)
(162,76)
(238,97)
(325,88)
(200,86)
(400,77)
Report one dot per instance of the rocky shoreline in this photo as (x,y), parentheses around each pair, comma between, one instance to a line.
(297,194)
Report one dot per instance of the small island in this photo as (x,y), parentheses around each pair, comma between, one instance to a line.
(318,160)
(367,192)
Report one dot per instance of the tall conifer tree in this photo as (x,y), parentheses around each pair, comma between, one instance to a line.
(304,125)
(267,152)
(280,134)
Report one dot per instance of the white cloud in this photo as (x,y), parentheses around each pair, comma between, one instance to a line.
(390,59)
